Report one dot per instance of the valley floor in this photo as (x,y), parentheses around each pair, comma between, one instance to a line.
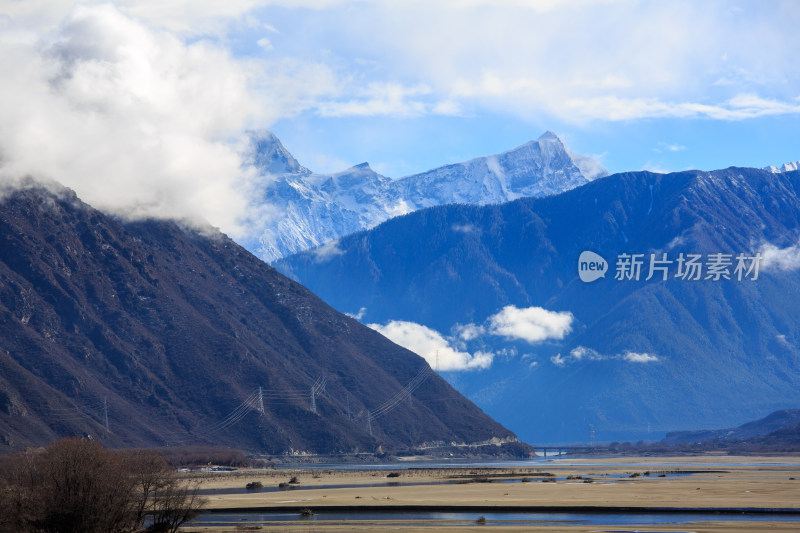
(699,494)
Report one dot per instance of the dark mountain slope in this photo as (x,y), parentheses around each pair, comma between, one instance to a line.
(176,331)
(712,353)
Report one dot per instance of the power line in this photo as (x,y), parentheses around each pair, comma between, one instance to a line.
(105,412)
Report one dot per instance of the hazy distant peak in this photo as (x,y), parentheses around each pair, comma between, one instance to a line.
(548,136)
(267,153)
(787,167)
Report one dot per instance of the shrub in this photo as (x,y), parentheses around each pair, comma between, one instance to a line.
(75,485)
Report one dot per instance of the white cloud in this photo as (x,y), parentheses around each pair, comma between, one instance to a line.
(669,147)
(133,119)
(577,60)
(265,44)
(680,240)
(532,324)
(384,99)
(582,353)
(181,16)
(327,251)
(432,346)
(638,357)
(468,332)
(774,258)
(358,316)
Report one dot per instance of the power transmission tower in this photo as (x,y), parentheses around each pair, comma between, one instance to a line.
(105,413)
(369,423)
(260,400)
(313,400)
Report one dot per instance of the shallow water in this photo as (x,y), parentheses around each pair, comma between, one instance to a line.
(540,462)
(494,518)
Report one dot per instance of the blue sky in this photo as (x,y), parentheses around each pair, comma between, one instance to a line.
(152,97)
(639,85)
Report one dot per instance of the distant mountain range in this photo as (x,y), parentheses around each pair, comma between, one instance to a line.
(779,421)
(149,333)
(787,167)
(613,359)
(319,208)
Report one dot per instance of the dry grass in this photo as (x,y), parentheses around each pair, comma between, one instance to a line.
(746,482)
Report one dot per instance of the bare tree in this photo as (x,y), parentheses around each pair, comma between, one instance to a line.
(75,485)
(162,499)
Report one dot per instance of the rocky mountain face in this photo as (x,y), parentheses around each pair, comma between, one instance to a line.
(641,356)
(317,209)
(150,333)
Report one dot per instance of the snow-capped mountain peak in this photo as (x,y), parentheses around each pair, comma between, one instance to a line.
(548,136)
(267,154)
(787,167)
(319,208)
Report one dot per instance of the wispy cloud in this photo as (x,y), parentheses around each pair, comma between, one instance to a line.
(468,332)
(582,353)
(774,258)
(381,99)
(358,316)
(650,59)
(669,147)
(464,228)
(639,357)
(327,251)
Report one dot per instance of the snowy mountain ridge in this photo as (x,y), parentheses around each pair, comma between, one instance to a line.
(320,208)
(787,167)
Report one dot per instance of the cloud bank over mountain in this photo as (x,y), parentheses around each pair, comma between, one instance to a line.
(135,119)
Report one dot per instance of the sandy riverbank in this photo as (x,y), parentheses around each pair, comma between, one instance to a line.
(706,482)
